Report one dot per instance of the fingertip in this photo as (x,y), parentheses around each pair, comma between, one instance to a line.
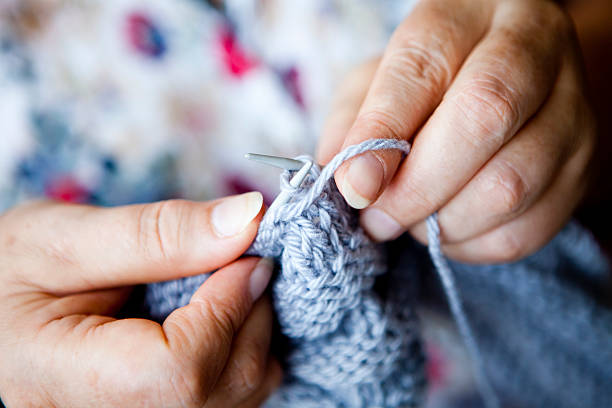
(227,229)
(260,277)
(232,215)
(361,183)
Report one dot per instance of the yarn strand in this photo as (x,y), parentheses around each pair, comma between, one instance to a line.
(348,345)
(440,263)
(450,289)
(328,171)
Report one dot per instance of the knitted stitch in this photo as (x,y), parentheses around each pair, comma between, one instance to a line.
(350,346)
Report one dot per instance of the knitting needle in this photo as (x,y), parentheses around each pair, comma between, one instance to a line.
(284,163)
(280,162)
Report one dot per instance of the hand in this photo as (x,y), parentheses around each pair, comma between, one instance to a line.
(65,270)
(491,93)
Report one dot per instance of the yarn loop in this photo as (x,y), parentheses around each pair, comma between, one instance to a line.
(350,346)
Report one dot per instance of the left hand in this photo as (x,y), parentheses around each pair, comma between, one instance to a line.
(491,93)
(66,269)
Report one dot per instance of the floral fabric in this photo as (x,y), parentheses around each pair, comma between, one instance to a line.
(124,101)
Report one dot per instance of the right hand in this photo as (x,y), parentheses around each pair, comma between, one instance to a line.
(66,269)
(491,95)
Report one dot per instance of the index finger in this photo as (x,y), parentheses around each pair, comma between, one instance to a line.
(419,63)
(500,88)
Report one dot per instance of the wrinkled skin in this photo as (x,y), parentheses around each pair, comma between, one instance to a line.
(66,269)
(492,96)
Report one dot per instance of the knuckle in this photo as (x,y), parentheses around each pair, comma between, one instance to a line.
(547,18)
(507,189)
(189,387)
(185,332)
(248,373)
(379,122)
(181,382)
(427,67)
(490,110)
(158,229)
(222,317)
(424,200)
(173,382)
(557,18)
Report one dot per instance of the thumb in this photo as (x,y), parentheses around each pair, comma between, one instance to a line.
(201,333)
(74,248)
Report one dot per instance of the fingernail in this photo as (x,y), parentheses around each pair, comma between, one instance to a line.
(233,214)
(380,225)
(260,277)
(362,181)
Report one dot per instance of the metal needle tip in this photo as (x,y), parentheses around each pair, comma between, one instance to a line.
(302,168)
(299,177)
(280,162)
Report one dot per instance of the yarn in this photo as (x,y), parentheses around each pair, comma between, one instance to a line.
(452,294)
(349,345)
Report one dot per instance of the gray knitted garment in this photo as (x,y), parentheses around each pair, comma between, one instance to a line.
(349,346)
(352,346)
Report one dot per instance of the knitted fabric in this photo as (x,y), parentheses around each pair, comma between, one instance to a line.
(543,324)
(350,346)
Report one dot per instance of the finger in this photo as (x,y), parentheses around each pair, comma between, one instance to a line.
(104,302)
(201,333)
(272,380)
(540,223)
(138,360)
(517,176)
(487,104)
(42,308)
(419,63)
(344,109)
(245,371)
(89,248)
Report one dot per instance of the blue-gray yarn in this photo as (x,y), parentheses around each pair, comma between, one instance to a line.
(350,347)
(542,326)
(456,306)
